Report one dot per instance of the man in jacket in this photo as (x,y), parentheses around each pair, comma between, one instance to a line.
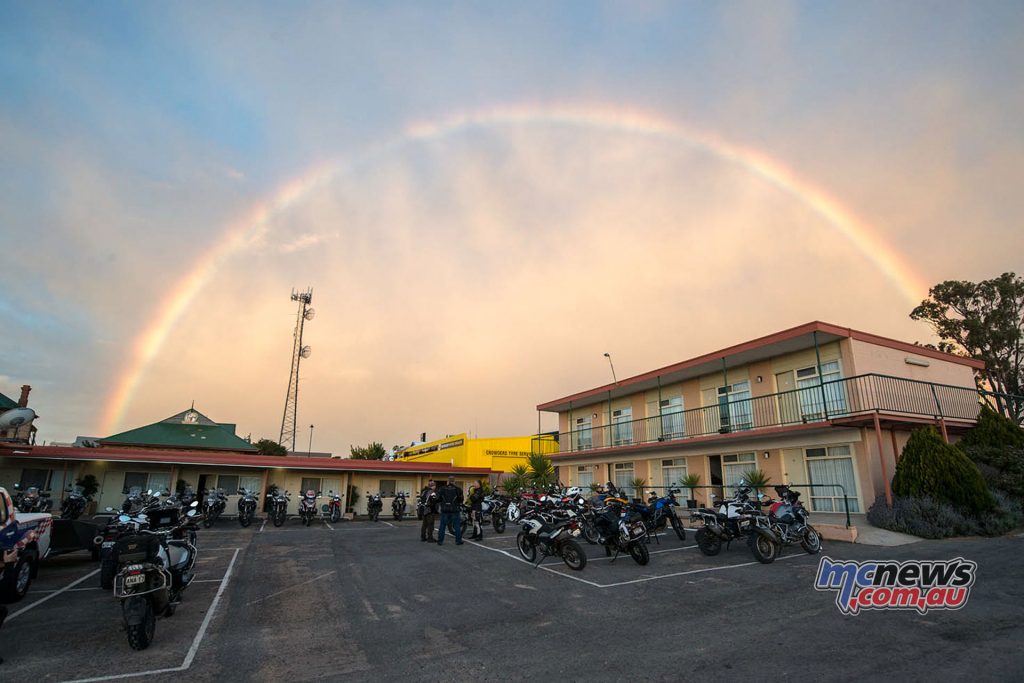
(428,500)
(476,510)
(449,499)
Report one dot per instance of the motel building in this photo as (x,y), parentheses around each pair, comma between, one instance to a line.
(817,404)
(190,447)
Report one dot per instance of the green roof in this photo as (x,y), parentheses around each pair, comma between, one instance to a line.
(188,429)
(6,403)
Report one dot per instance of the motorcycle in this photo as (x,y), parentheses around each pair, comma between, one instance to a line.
(246,506)
(307,506)
(332,510)
(622,530)
(184,498)
(214,504)
(735,518)
(374,506)
(153,570)
(32,499)
(398,506)
(279,506)
(494,507)
(659,513)
(788,520)
(158,514)
(552,537)
(74,504)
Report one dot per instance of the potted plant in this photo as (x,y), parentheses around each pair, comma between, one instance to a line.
(690,482)
(637,484)
(353,498)
(756,479)
(89,486)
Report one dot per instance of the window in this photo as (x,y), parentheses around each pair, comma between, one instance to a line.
(622,475)
(309,483)
(584,476)
(831,465)
(734,407)
(671,410)
(228,482)
(33,477)
(583,437)
(735,464)
(133,479)
(812,392)
(622,427)
(250,483)
(672,471)
(159,482)
(388,487)
(328,485)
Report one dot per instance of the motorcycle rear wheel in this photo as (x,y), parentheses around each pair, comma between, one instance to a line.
(708,543)
(639,552)
(526,547)
(763,548)
(590,534)
(108,569)
(573,555)
(141,635)
(499,524)
(811,542)
(207,522)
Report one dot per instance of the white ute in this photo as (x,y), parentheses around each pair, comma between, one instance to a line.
(24,540)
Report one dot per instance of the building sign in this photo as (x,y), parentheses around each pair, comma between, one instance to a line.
(508,453)
(434,447)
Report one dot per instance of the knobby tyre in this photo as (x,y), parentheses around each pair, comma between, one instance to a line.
(526,547)
(709,543)
(811,542)
(639,552)
(763,547)
(573,555)
(141,635)
(108,569)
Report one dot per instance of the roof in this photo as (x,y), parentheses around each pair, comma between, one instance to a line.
(181,457)
(187,429)
(786,341)
(6,403)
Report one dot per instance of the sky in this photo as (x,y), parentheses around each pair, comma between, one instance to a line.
(484,197)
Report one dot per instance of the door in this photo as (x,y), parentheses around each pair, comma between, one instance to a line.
(201,489)
(793,466)
(789,403)
(715,467)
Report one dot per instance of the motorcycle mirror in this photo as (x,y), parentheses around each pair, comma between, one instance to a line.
(124,519)
(190,513)
(108,509)
(194,504)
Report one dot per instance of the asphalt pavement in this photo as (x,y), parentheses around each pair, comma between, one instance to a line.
(370,601)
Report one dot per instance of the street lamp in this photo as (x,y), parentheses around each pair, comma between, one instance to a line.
(609,357)
(310,451)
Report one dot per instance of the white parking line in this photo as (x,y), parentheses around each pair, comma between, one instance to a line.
(262,526)
(691,571)
(267,597)
(327,525)
(621,555)
(53,594)
(519,559)
(190,655)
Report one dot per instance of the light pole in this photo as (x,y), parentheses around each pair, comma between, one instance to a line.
(310,451)
(609,357)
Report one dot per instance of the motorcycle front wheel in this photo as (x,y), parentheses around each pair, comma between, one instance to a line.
(590,534)
(709,543)
(526,547)
(678,526)
(207,522)
(140,635)
(573,555)
(244,519)
(639,552)
(278,519)
(811,542)
(499,524)
(335,515)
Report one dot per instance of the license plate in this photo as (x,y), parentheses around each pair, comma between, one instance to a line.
(108,544)
(134,580)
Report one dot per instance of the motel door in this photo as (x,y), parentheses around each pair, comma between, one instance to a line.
(715,472)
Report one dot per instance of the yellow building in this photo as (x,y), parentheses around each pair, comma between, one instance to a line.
(498,454)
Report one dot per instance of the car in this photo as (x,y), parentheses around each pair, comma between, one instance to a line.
(24,540)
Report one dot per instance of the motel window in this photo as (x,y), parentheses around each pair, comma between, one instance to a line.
(34,477)
(159,482)
(622,426)
(135,479)
(827,466)
(622,474)
(735,464)
(812,393)
(735,411)
(331,485)
(671,410)
(250,483)
(309,483)
(584,476)
(388,487)
(228,482)
(583,435)
(672,471)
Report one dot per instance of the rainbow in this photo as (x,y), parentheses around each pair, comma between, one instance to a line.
(253,225)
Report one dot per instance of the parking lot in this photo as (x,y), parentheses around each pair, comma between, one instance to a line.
(371,600)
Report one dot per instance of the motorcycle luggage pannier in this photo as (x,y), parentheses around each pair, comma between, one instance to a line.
(136,549)
(164,517)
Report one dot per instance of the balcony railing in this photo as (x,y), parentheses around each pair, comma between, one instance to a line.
(849,397)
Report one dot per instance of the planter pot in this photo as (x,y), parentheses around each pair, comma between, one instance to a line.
(691,503)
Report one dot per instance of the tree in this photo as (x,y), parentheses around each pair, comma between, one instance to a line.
(270,447)
(984,320)
(373,451)
(542,472)
(931,467)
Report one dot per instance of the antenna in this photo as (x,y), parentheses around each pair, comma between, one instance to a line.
(291,401)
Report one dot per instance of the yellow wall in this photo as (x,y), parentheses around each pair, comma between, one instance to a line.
(498,454)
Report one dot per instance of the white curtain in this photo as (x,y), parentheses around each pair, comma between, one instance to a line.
(832,471)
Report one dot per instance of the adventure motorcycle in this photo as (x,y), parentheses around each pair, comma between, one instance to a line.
(551,537)
(153,569)
(398,506)
(494,507)
(374,506)
(214,504)
(788,520)
(279,506)
(621,530)
(158,514)
(307,506)
(736,518)
(74,504)
(32,499)
(332,510)
(659,513)
(246,506)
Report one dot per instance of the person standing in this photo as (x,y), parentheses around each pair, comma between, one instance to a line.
(476,510)
(428,499)
(449,499)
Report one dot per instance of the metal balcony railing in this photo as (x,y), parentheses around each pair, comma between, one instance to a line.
(822,402)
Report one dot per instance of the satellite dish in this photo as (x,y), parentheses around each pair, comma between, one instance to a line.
(17,417)
(306,351)
(310,313)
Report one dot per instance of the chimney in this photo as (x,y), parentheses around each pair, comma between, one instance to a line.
(23,401)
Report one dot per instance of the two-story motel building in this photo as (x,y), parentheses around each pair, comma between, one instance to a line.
(817,405)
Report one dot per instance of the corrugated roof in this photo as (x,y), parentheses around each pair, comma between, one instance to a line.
(191,436)
(6,403)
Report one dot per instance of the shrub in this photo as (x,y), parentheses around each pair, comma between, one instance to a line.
(931,468)
(994,431)
(1002,468)
(929,518)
